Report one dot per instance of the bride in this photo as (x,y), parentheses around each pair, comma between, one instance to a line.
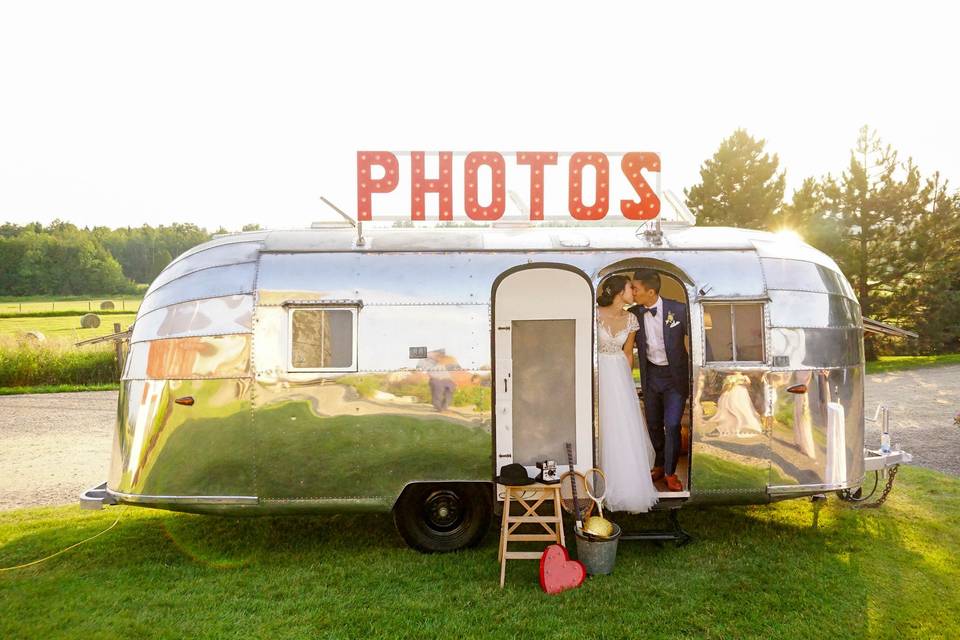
(627,454)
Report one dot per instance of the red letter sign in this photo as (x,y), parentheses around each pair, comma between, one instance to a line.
(443,186)
(536,161)
(497,205)
(599,207)
(649,205)
(367,186)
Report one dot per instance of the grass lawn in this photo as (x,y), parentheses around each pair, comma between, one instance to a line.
(58,388)
(65,327)
(898,363)
(15,304)
(761,571)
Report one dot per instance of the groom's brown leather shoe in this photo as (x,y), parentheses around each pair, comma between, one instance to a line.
(673,483)
(656,473)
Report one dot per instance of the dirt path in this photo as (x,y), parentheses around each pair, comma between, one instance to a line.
(924,403)
(52,446)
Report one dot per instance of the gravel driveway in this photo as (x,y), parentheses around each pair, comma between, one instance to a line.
(52,446)
(923,404)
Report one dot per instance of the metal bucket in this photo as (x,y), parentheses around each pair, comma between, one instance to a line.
(598,556)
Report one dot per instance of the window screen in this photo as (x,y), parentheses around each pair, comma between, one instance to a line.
(544,390)
(322,338)
(734,332)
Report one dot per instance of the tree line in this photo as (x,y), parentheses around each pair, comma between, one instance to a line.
(894,231)
(62,259)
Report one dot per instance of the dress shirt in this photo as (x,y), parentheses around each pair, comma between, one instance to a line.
(653,331)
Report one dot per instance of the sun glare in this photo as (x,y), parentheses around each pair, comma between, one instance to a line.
(789,235)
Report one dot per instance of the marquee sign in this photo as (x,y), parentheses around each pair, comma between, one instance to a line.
(479,184)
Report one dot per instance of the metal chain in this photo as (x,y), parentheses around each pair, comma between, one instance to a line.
(883,495)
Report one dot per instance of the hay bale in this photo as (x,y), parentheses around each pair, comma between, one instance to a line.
(32,337)
(107,305)
(89,321)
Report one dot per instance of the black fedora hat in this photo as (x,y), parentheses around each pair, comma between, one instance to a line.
(514,474)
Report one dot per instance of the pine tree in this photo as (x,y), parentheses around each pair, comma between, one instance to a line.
(875,204)
(935,270)
(740,185)
(804,214)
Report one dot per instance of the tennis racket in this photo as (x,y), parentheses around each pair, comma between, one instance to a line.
(574,481)
(596,485)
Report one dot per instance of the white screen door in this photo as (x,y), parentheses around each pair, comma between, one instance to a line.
(543,349)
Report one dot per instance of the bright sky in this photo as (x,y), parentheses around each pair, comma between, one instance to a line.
(117,113)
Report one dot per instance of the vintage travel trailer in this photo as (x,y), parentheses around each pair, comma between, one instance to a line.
(321,369)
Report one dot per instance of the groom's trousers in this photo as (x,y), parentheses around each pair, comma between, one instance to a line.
(664,408)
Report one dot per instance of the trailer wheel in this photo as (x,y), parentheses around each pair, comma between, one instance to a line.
(436,518)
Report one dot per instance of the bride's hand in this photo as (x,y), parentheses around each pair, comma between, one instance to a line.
(628,348)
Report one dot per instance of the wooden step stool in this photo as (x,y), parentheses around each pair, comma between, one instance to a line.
(530,497)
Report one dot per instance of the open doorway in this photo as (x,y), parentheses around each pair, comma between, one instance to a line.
(662,369)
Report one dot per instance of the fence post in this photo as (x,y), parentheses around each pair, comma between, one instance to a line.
(118,350)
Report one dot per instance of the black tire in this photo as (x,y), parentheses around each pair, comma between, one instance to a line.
(437,518)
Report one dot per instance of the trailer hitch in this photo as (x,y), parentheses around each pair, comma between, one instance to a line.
(860,501)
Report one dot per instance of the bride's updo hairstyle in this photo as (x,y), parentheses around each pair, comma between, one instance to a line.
(609,289)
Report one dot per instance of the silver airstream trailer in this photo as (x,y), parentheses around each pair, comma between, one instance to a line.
(310,370)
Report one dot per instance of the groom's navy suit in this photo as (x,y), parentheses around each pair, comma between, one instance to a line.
(665,388)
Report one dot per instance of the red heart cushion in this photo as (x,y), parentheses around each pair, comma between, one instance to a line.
(558,572)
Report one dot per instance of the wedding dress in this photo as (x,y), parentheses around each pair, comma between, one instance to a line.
(625,448)
(735,414)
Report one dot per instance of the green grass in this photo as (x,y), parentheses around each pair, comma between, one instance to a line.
(65,327)
(58,388)
(55,363)
(15,304)
(761,571)
(888,364)
(53,314)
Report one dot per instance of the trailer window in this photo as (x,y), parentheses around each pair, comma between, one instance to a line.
(734,332)
(323,339)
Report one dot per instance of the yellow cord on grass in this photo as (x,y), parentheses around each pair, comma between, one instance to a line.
(53,555)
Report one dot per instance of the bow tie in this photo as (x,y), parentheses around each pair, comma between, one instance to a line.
(652,310)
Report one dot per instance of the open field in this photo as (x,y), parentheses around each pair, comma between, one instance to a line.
(85,304)
(763,571)
(65,327)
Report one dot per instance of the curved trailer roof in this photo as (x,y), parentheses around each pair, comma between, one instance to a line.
(523,238)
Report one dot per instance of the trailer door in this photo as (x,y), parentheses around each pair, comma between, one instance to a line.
(543,355)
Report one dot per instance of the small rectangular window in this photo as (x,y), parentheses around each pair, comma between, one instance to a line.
(323,339)
(734,332)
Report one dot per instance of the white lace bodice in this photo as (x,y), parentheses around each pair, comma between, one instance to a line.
(613,344)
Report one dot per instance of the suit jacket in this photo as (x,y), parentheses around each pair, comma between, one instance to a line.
(676,349)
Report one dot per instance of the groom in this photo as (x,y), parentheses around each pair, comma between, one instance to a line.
(664,372)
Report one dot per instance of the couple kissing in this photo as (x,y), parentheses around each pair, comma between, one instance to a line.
(639,448)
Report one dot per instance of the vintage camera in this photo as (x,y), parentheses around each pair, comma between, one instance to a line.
(548,472)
